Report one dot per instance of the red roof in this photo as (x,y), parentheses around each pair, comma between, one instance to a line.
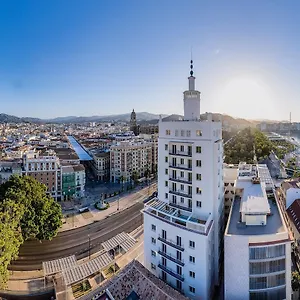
(294,213)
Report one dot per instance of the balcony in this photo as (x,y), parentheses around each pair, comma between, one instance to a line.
(181,167)
(181,207)
(171,272)
(180,193)
(171,257)
(170,243)
(181,153)
(181,180)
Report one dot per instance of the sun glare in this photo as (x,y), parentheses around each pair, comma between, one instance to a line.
(244,95)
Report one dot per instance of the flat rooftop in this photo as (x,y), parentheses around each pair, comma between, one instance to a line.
(274,223)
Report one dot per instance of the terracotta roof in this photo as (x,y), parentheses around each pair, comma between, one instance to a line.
(294,213)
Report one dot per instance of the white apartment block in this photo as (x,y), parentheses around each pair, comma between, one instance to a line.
(128,158)
(79,180)
(45,168)
(184,224)
(257,247)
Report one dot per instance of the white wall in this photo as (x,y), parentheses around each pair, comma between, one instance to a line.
(236,265)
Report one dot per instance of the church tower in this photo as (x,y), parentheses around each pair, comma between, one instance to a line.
(133,124)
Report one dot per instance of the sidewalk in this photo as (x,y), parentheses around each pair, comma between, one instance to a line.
(78,220)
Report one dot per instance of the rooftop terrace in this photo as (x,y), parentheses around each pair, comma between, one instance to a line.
(177,216)
(274,223)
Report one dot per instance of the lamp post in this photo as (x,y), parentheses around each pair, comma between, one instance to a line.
(89,246)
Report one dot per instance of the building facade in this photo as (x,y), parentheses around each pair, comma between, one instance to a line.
(256,243)
(183,226)
(130,160)
(45,168)
(101,165)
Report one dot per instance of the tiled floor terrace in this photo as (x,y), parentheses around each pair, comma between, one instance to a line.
(181,218)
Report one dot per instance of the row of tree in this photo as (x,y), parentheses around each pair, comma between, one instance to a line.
(26,212)
(251,143)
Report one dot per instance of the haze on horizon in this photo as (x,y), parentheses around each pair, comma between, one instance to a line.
(61,58)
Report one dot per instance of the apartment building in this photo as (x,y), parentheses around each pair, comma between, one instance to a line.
(128,159)
(9,168)
(101,165)
(183,226)
(256,243)
(45,168)
(79,171)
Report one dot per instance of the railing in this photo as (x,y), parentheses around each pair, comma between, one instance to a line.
(181,153)
(182,167)
(180,193)
(171,272)
(170,243)
(181,180)
(189,209)
(171,257)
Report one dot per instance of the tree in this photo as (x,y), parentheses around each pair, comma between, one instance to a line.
(10,237)
(295,281)
(42,216)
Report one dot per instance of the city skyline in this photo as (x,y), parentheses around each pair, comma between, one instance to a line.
(62,59)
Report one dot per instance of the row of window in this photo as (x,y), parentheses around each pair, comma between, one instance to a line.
(267,267)
(267,252)
(183,132)
(182,149)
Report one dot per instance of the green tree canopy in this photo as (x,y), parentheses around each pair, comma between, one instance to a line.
(42,216)
(10,237)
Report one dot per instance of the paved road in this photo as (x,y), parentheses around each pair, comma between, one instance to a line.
(76,241)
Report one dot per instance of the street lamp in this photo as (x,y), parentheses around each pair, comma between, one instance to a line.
(89,246)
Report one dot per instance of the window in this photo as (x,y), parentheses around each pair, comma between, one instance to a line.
(181,174)
(198,133)
(153,240)
(198,149)
(176,132)
(166,147)
(192,274)
(179,270)
(153,253)
(166,159)
(190,176)
(192,244)
(153,266)
(188,133)
(179,255)
(168,132)
(182,148)
(164,234)
(166,195)
(181,161)
(182,132)
(181,199)
(192,259)
(192,289)
(166,171)
(178,284)
(178,240)
(198,190)
(182,187)
(198,203)
(198,163)
(153,227)
(166,183)
(164,248)
(198,176)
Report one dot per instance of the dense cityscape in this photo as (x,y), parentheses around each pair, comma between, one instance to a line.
(122,177)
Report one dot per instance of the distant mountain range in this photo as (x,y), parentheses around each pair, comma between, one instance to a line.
(142,118)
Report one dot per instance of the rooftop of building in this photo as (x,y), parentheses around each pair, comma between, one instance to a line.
(135,278)
(274,223)
(291,183)
(294,213)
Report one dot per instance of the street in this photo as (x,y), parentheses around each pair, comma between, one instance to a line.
(99,228)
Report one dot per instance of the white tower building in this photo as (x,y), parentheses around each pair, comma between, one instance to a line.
(183,226)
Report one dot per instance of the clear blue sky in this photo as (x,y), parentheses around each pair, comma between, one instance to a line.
(69,57)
